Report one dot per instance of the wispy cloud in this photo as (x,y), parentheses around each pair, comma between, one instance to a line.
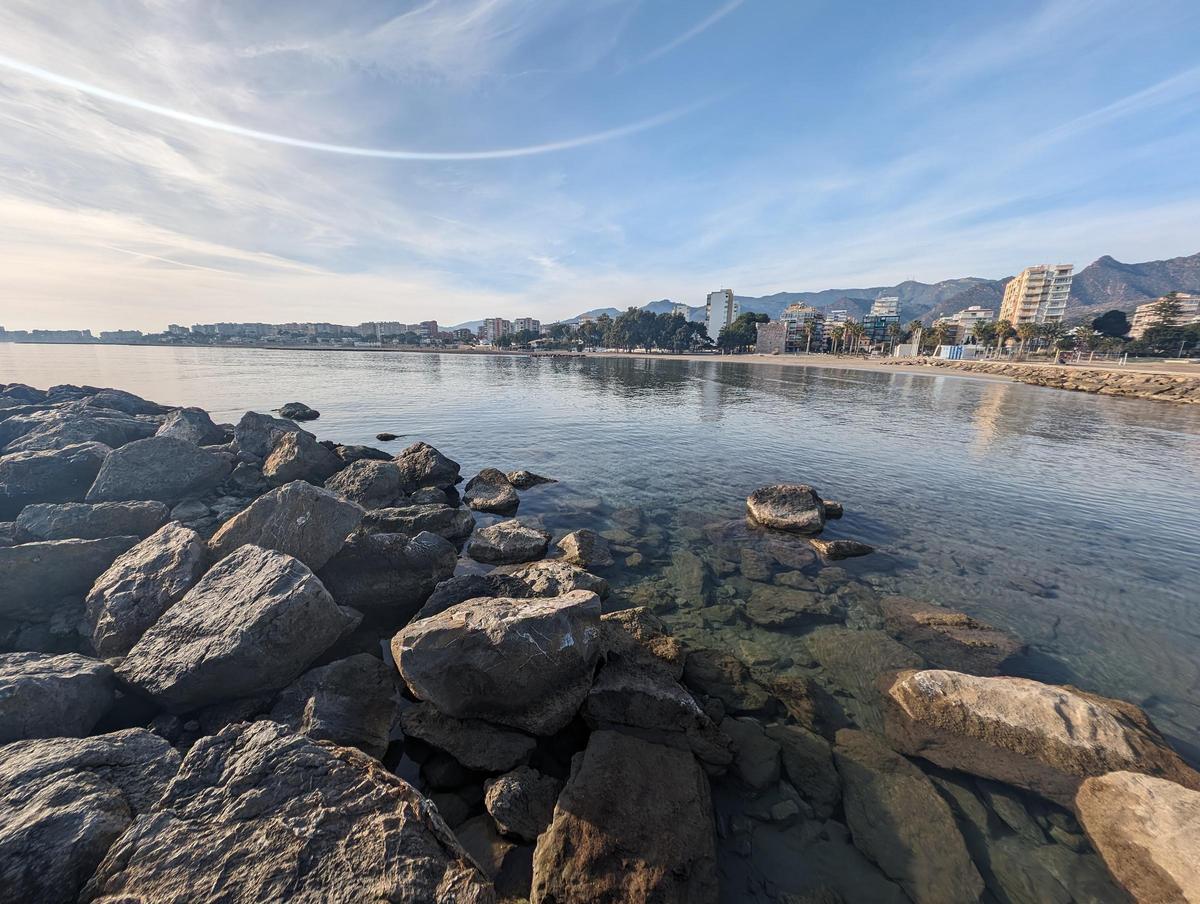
(699,28)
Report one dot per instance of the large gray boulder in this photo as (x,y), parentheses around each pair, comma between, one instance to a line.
(141,585)
(258,813)
(634,823)
(78,423)
(787,506)
(63,801)
(508,542)
(388,575)
(370,483)
(158,467)
(899,820)
(44,696)
(552,577)
(252,624)
(193,425)
(90,521)
(298,456)
(297,518)
(475,660)
(443,520)
(490,491)
(55,475)
(298,411)
(35,577)
(256,434)
(522,801)
(127,402)
(474,743)
(348,702)
(421,465)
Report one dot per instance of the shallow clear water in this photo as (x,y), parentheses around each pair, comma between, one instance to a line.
(1071,519)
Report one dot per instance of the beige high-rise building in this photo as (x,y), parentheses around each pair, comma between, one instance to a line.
(1038,295)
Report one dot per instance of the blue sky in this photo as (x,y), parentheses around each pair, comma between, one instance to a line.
(154,167)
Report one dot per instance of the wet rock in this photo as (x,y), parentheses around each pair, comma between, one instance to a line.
(369,483)
(298,519)
(948,639)
(898,820)
(634,823)
(639,637)
(192,425)
(522,801)
(55,475)
(800,697)
(755,756)
(43,696)
(852,661)
(159,467)
(551,577)
(1044,738)
(688,574)
(348,702)
(508,542)
(475,660)
(490,491)
(833,510)
(298,456)
(716,674)
(386,437)
(524,480)
(298,411)
(388,575)
(264,815)
(252,624)
(787,506)
(443,520)
(141,585)
(585,548)
(83,521)
(808,764)
(35,577)
(755,566)
(834,550)
(474,743)
(65,800)
(256,434)
(781,608)
(1146,829)
(421,465)
(483,843)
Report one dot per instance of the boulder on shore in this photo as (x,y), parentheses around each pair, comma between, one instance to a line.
(298,411)
(258,813)
(252,624)
(44,696)
(193,425)
(947,639)
(53,475)
(35,577)
(522,801)
(298,456)
(585,548)
(256,434)
(421,465)
(158,467)
(77,423)
(507,543)
(388,575)
(370,483)
(443,520)
(787,506)
(1041,737)
(84,521)
(474,743)
(477,660)
(490,491)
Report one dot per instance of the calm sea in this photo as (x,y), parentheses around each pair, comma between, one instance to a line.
(1071,519)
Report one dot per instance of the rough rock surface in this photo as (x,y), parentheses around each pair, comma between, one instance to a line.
(141,585)
(83,521)
(1041,737)
(43,696)
(256,434)
(258,813)
(474,743)
(787,506)
(552,577)
(35,577)
(638,636)
(53,475)
(508,542)
(948,639)
(443,520)
(490,491)
(1148,832)
(835,550)
(370,483)
(463,587)
(522,801)
(585,548)
(524,480)
(352,453)
(298,411)
(634,823)
(523,663)
(80,423)
(193,425)
(298,456)
(349,702)
(299,519)
(898,820)
(725,678)
(63,801)
(158,467)
(421,465)
(808,765)
(252,624)
(389,575)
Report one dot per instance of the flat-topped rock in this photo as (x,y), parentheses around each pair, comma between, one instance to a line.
(44,696)
(475,743)
(787,506)
(90,521)
(948,639)
(54,475)
(1041,737)
(193,425)
(490,491)
(158,467)
(443,520)
(508,542)
(585,548)
(388,575)
(35,577)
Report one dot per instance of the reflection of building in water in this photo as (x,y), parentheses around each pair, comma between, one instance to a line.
(993,399)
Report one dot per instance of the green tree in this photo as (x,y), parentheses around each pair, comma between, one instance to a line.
(984,333)
(742,334)
(1111,323)
(1004,332)
(1086,337)
(1026,332)
(837,333)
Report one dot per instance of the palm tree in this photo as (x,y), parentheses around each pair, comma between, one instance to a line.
(1052,331)
(835,335)
(1025,332)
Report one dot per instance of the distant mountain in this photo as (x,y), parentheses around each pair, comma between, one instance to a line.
(1108,283)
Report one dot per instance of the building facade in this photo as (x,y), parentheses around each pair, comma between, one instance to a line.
(884,313)
(493,328)
(1145,316)
(772,338)
(720,310)
(1038,295)
(961,326)
(527,325)
(885,306)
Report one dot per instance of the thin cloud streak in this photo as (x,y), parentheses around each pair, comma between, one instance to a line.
(697,29)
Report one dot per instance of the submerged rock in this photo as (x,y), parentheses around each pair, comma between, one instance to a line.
(835,550)
(475,743)
(298,456)
(948,639)
(508,542)
(388,575)
(35,577)
(43,696)
(725,678)
(54,475)
(522,801)
(787,506)
(490,491)
(639,637)
(524,480)
(585,548)
(782,608)
(755,756)
(298,411)
(159,467)
(83,521)
(193,425)
(808,764)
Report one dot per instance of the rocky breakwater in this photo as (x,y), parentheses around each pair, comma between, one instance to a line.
(1183,388)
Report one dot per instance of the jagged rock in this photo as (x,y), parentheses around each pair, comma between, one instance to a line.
(298,456)
(1146,829)
(508,542)
(83,521)
(158,467)
(192,425)
(634,823)
(389,575)
(256,434)
(141,585)
(787,506)
(35,577)
(43,696)
(808,764)
(252,624)
(369,483)
(473,661)
(755,756)
(421,465)
(833,510)
(524,480)
(639,637)
(350,454)
(443,520)
(53,475)
(297,518)
(716,674)
(258,813)
(835,550)
(63,801)
(899,820)
(490,491)
(76,424)
(1043,738)
(948,639)
(782,608)
(585,548)
(522,801)
(298,411)
(475,743)
(552,577)
(349,702)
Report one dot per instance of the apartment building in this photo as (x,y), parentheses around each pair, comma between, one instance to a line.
(1146,316)
(720,310)
(1038,295)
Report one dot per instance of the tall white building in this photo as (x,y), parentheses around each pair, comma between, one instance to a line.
(885,306)
(1038,295)
(720,310)
(1145,316)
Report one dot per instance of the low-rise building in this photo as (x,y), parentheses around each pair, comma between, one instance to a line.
(120,335)
(1147,316)
(527,325)
(961,326)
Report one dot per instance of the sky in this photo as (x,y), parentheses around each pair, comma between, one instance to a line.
(177,161)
